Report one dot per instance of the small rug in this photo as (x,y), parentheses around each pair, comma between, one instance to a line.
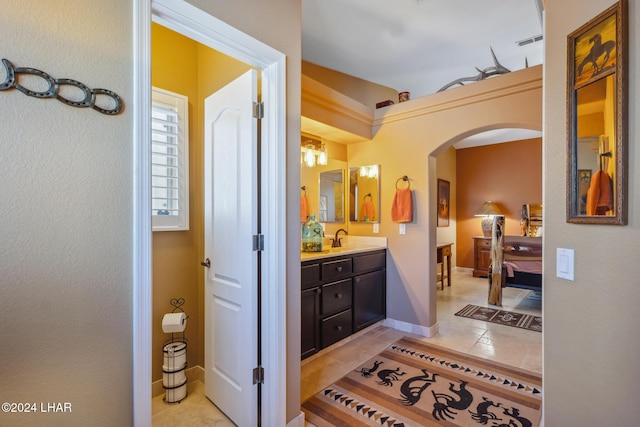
(412,383)
(502,317)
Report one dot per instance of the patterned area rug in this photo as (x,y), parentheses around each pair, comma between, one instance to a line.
(412,383)
(502,317)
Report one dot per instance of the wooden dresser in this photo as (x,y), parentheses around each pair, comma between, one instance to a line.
(481,256)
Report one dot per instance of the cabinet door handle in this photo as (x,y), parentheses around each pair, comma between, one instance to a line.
(339,269)
(206,263)
(318,291)
(339,295)
(338,328)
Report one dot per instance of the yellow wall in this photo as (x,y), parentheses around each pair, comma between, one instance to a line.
(182,65)
(175,267)
(446,168)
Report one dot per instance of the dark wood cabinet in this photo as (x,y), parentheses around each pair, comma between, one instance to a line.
(310,335)
(481,256)
(341,295)
(369,302)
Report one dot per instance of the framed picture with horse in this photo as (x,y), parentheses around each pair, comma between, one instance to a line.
(597,126)
(593,48)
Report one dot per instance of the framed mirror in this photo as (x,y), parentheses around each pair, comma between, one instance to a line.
(331,196)
(364,194)
(597,119)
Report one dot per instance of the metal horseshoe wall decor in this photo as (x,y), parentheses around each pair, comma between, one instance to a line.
(91,96)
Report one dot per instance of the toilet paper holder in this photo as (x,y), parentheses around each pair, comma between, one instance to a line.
(177,304)
(174,379)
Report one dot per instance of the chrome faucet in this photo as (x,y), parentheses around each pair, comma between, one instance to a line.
(336,242)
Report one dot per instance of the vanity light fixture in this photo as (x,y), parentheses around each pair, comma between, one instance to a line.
(369,171)
(488,210)
(322,155)
(313,152)
(309,156)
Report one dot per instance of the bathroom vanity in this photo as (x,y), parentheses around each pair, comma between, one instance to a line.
(343,292)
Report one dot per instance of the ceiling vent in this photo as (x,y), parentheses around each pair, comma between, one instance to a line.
(529,40)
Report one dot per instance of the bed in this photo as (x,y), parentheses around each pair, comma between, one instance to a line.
(522,265)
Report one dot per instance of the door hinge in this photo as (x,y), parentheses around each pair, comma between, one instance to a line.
(258,110)
(258,375)
(258,242)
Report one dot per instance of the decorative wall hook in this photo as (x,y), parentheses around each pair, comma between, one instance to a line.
(53,89)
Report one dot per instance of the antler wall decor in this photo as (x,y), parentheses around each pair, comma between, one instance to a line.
(496,70)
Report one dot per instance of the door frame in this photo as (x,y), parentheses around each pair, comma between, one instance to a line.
(194,23)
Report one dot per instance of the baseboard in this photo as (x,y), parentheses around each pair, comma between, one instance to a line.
(297,421)
(425,331)
(464,270)
(195,373)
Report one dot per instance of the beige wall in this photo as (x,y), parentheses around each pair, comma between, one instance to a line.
(409,137)
(591,342)
(508,174)
(67,192)
(67,223)
(363,91)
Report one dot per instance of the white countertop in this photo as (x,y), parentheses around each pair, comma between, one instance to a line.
(350,245)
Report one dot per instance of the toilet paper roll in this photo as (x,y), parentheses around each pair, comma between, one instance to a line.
(174,322)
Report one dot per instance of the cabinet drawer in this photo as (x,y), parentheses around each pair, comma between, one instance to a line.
(336,297)
(369,262)
(483,243)
(335,328)
(335,270)
(309,276)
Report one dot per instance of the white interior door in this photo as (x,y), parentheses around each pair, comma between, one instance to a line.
(231,221)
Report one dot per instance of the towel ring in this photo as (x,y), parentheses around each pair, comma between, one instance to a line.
(367,195)
(404,178)
(304,188)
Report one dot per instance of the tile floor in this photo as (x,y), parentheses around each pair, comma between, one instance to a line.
(195,410)
(505,344)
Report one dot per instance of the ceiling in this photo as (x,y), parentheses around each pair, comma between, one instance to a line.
(420,46)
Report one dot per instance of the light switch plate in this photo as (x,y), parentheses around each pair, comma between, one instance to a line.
(403,229)
(565,263)
(376,228)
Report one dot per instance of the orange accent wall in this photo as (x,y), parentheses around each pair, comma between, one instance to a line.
(508,174)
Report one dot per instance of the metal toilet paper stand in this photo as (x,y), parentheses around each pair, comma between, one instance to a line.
(174,378)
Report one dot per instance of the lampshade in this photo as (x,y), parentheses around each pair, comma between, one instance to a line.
(488,210)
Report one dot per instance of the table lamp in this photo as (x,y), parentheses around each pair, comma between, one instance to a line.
(488,210)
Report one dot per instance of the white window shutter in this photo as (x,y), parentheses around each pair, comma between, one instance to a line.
(169,161)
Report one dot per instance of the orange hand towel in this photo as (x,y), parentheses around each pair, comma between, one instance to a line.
(600,194)
(368,211)
(402,207)
(304,208)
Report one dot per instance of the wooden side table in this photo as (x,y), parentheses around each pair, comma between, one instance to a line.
(444,250)
(481,256)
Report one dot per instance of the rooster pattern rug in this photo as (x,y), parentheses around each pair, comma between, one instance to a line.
(412,383)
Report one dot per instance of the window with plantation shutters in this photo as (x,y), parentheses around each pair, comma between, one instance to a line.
(169,161)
